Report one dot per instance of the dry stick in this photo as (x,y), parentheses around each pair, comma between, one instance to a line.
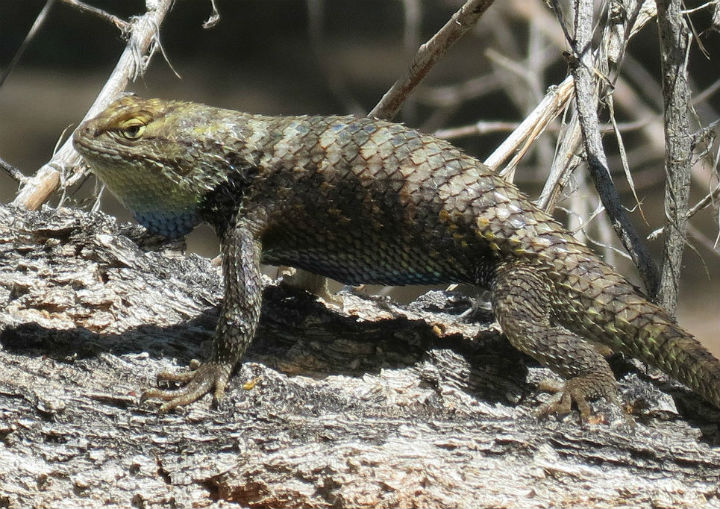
(142,35)
(39,20)
(586,102)
(483,127)
(566,160)
(214,17)
(11,170)
(118,22)
(617,36)
(427,55)
(479,128)
(674,43)
(549,108)
(624,95)
(709,198)
(538,63)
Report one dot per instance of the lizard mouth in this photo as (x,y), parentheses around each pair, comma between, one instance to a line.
(86,142)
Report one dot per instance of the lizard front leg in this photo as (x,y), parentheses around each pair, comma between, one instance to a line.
(522,304)
(239,316)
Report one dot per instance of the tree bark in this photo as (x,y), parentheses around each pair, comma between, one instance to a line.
(674,40)
(369,405)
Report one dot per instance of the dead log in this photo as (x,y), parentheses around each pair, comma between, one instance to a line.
(367,404)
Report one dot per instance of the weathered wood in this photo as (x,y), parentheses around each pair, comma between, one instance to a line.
(371,405)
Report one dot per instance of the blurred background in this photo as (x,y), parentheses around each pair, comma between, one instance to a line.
(340,56)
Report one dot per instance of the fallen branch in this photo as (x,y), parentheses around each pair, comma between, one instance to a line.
(370,404)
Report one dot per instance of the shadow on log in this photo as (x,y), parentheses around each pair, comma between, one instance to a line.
(367,404)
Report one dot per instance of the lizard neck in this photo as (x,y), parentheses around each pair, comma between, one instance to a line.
(156,201)
(220,206)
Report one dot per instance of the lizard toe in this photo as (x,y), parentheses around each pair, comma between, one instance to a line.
(182,377)
(579,390)
(198,382)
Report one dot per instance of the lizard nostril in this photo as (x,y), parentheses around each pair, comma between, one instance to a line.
(85,131)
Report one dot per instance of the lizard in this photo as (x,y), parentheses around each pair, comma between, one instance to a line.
(363,200)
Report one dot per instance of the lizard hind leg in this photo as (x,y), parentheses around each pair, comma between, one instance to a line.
(522,306)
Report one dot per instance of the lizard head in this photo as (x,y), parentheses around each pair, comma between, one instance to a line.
(136,148)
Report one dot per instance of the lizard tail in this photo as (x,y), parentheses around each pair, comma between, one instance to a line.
(659,341)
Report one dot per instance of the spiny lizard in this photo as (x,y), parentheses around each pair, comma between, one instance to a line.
(368,201)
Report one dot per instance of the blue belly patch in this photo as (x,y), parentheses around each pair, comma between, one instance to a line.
(168,224)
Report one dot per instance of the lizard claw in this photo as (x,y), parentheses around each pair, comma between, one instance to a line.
(578,389)
(199,381)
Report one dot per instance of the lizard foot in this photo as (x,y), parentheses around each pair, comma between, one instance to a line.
(578,389)
(202,379)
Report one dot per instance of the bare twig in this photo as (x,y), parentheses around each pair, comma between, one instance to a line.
(566,160)
(14,173)
(569,144)
(427,55)
(617,31)
(700,205)
(482,127)
(121,24)
(41,17)
(586,100)
(700,237)
(674,44)
(478,128)
(550,107)
(623,155)
(711,3)
(132,63)
(625,96)
(579,230)
(536,59)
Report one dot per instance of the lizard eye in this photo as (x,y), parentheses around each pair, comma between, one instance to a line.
(132,129)
(132,132)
